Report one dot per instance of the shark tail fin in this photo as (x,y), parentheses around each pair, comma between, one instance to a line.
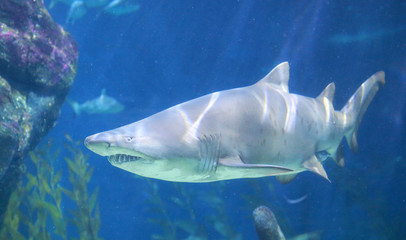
(75,106)
(358,104)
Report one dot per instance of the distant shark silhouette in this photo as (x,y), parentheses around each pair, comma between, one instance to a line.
(363,36)
(78,8)
(101,105)
(255,131)
(121,7)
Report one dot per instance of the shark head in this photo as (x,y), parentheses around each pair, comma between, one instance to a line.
(142,149)
(114,146)
(122,144)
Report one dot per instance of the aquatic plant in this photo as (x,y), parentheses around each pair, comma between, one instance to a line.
(32,203)
(174,227)
(11,222)
(184,201)
(181,221)
(257,195)
(158,208)
(220,219)
(36,205)
(86,218)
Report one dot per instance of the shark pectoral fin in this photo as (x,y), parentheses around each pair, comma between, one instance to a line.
(315,166)
(209,151)
(286,178)
(237,163)
(232,162)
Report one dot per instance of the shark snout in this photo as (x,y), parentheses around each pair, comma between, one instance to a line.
(98,143)
(96,139)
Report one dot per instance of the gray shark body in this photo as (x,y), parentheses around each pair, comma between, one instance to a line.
(121,7)
(255,131)
(101,105)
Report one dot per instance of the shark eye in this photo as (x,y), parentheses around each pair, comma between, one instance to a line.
(129,139)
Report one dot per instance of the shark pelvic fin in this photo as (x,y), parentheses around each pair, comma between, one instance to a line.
(328,93)
(339,157)
(315,166)
(278,77)
(285,179)
(209,151)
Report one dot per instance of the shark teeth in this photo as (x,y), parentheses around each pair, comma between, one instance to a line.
(122,158)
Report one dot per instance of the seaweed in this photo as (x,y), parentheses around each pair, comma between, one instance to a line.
(35,206)
(184,197)
(86,218)
(163,219)
(220,220)
(184,201)
(32,203)
(173,228)
(10,226)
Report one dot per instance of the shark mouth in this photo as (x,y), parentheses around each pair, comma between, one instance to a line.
(122,158)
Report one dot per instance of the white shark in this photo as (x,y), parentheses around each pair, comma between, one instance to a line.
(255,131)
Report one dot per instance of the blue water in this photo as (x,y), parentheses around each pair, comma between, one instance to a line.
(169,52)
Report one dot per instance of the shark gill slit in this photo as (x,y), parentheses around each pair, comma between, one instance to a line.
(122,158)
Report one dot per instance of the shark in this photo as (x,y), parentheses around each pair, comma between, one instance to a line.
(249,132)
(103,104)
(365,36)
(121,7)
(78,8)
(76,11)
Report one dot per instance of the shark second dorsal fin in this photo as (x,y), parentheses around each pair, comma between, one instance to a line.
(278,77)
(328,93)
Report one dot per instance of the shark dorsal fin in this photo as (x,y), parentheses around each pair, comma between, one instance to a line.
(278,77)
(328,93)
(102,94)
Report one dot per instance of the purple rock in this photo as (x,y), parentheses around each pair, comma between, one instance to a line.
(38,62)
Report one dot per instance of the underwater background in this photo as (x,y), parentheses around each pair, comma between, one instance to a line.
(167,52)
